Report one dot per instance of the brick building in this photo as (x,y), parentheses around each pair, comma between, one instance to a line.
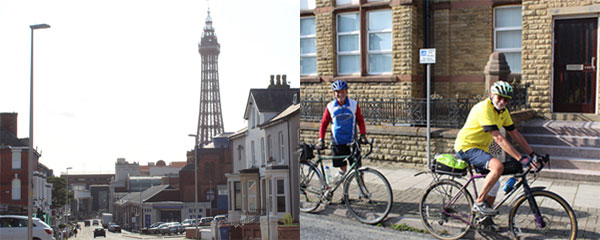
(214,160)
(14,155)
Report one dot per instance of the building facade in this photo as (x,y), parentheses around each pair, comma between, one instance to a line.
(214,160)
(261,186)
(551,46)
(14,155)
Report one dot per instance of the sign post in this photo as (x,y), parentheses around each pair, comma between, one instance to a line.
(427,56)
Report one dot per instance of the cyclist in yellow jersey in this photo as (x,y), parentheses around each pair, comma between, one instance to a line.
(473,141)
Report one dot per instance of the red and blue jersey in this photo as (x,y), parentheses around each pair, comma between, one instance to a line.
(343,119)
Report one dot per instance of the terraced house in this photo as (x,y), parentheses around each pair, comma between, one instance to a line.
(549,52)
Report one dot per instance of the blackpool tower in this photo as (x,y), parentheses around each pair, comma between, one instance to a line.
(210,118)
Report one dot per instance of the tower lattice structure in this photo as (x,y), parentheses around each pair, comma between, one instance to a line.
(210,118)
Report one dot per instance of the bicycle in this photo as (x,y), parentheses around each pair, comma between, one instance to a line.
(367,193)
(446,207)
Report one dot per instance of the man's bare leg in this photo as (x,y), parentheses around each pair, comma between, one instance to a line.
(496,168)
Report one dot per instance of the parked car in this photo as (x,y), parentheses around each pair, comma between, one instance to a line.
(99,232)
(86,223)
(220,219)
(153,229)
(188,223)
(95,223)
(205,221)
(15,227)
(176,228)
(163,228)
(114,228)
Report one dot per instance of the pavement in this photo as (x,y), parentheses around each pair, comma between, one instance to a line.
(584,198)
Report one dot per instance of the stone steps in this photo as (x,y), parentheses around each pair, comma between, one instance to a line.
(573,146)
(562,140)
(567,151)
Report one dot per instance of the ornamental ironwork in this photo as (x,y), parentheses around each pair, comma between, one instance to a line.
(445,112)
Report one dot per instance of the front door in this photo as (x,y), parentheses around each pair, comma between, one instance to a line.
(575,42)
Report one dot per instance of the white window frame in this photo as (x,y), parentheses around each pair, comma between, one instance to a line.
(253,152)
(387,30)
(349,53)
(16,189)
(16,159)
(306,55)
(262,151)
(252,196)
(269,148)
(237,195)
(277,195)
(281,147)
(502,29)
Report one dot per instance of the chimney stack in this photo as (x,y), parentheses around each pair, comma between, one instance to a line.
(8,121)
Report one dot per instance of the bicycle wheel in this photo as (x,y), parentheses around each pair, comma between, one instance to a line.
(311,187)
(559,218)
(445,210)
(369,197)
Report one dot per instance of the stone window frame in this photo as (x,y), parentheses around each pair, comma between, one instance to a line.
(15,189)
(363,8)
(501,29)
(16,162)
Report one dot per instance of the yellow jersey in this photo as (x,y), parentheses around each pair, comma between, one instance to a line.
(482,119)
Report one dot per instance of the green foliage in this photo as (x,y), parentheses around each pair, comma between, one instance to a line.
(287,219)
(59,192)
(404,227)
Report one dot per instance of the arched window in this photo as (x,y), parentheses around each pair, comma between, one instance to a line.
(16,189)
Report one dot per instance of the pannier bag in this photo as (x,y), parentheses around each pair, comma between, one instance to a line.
(306,152)
(448,164)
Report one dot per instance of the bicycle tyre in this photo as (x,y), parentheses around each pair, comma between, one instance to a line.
(561,221)
(370,201)
(440,224)
(311,188)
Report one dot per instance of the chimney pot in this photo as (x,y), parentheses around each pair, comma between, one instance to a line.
(278,79)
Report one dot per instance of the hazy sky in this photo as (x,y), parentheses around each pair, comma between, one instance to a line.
(121,78)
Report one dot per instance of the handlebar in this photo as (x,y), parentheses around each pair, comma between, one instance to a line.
(535,159)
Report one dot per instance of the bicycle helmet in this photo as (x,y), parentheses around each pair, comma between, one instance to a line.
(503,89)
(339,85)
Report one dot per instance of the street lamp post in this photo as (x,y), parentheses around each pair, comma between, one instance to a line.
(67,207)
(195,182)
(30,157)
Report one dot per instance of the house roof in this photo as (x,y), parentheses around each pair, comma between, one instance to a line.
(145,195)
(271,100)
(285,114)
(240,133)
(9,139)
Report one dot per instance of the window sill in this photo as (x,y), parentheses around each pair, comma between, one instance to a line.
(384,78)
(310,79)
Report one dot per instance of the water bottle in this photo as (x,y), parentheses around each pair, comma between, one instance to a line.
(337,177)
(327,174)
(509,184)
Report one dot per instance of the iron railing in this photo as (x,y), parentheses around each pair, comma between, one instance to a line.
(445,112)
